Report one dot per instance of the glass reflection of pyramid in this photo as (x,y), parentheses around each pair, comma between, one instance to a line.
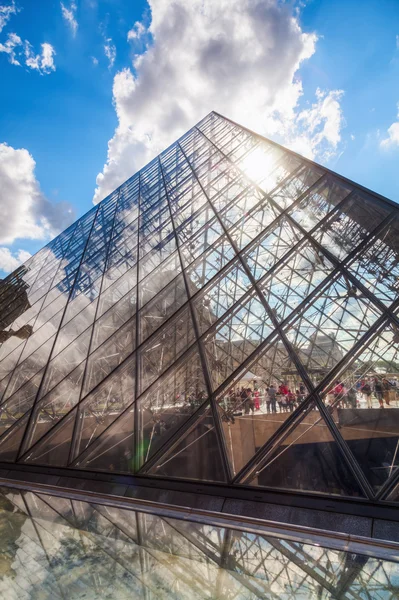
(228,314)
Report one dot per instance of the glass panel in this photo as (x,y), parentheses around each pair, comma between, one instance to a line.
(318,203)
(69,332)
(266,251)
(196,455)
(255,404)
(201,239)
(19,403)
(114,449)
(209,264)
(112,320)
(292,282)
(158,279)
(355,399)
(346,229)
(165,347)
(29,367)
(248,216)
(326,330)
(306,458)
(53,450)
(116,291)
(63,554)
(55,405)
(169,402)
(164,305)
(103,406)
(220,295)
(66,361)
(235,338)
(377,266)
(11,441)
(109,355)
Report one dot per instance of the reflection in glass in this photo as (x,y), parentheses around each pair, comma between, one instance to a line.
(364,403)
(306,458)
(168,403)
(179,327)
(57,548)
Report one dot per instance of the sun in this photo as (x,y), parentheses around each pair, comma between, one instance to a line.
(259,167)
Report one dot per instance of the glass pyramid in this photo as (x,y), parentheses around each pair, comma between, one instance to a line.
(229,314)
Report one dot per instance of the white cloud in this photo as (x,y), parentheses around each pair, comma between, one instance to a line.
(26,213)
(44,62)
(6,11)
(9,261)
(137,31)
(10,48)
(317,131)
(397,42)
(19,51)
(69,15)
(110,52)
(393,135)
(238,57)
(94,60)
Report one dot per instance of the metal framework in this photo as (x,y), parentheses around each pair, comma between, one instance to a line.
(64,548)
(228,263)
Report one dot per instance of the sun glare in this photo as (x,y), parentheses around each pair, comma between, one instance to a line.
(258,166)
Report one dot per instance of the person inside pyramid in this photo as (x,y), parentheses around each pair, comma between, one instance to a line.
(13,303)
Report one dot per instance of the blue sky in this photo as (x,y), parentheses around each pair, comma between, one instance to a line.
(101,86)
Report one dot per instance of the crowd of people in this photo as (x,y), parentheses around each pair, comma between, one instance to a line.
(384,390)
(281,398)
(271,399)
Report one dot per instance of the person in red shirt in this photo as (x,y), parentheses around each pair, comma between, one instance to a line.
(283,389)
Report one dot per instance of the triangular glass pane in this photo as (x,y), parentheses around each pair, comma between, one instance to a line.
(114,449)
(237,336)
(324,332)
(163,349)
(301,178)
(196,455)
(80,323)
(27,369)
(296,278)
(202,232)
(209,264)
(306,458)
(159,278)
(263,254)
(267,166)
(65,362)
(220,295)
(11,441)
(248,215)
(55,405)
(110,355)
(169,402)
(186,205)
(319,202)
(104,405)
(112,320)
(19,403)
(377,266)
(257,401)
(53,449)
(364,403)
(345,230)
(41,334)
(160,308)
